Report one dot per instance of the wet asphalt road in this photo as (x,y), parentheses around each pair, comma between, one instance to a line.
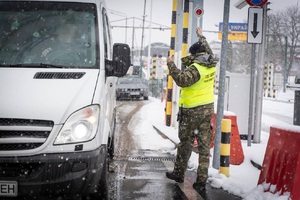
(142,176)
(140,173)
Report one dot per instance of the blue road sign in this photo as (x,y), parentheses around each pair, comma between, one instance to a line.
(238,27)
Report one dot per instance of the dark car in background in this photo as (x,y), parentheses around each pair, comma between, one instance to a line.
(131,87)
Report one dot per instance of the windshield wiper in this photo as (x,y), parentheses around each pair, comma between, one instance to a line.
(35,65)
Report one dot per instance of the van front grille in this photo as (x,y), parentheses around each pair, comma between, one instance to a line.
(33,134)
(25,122)
(59,75)
(23,134)
(134,89)
(14,147)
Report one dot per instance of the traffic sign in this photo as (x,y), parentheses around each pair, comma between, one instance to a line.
(159,62)
(278,68)
(236,31)
(255,25)
(233,26)
(278,79)
(256,2)
(198,11)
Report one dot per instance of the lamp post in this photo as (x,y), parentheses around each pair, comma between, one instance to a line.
(141,52)
(123,15)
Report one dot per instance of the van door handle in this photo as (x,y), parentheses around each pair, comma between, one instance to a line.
(110,84)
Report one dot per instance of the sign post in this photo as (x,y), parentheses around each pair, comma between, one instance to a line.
(260,74)
(255,34)
(198,13)
(222,80)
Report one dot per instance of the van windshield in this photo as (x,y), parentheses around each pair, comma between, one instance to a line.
(48,33)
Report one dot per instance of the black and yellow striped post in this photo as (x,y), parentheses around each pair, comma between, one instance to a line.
(265,79)
(169,101)
(225,147)
(173,28)
(216,87)
(169,78)
(269,90)
(153,71)
(269,80)
(185,28)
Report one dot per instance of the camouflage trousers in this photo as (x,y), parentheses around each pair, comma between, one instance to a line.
(195,122)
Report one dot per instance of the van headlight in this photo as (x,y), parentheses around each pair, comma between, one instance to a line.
(81,126)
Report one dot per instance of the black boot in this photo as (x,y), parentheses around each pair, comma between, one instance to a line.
(199,186)
(172,176)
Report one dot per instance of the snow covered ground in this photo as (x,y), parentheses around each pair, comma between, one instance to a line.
(243,178)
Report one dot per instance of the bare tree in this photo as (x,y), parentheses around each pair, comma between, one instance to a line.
(242,57)
(283,24)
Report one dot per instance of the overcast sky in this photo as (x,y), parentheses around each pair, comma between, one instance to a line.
(161,15)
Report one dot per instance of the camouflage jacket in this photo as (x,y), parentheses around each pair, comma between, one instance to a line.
(191,75)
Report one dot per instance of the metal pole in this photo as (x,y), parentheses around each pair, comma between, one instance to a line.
(251,96)
(149,45)
(177,55)
(222,78)
(141,52)
(259,83)
(185,29)
(285,65)
(132,45)
(126,30)
(169,89)
(190,22)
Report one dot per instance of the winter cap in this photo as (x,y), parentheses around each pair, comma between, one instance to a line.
(197,47)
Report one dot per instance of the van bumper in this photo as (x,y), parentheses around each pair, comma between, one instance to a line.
(63,174)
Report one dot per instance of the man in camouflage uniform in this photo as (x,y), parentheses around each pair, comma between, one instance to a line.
(196,107)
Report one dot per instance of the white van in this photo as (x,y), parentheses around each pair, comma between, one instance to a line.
(58,72)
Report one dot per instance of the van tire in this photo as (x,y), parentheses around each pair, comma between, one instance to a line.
(111,148)
(111,142)
(102,188)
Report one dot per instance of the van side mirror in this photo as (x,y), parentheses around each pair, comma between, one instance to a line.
(121,59)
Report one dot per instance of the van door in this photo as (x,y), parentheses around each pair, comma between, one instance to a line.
(110,81)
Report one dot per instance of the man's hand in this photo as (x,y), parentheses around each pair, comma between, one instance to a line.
(199,31)
(170,58)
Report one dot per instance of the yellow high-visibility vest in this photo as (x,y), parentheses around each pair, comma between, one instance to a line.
(201,92)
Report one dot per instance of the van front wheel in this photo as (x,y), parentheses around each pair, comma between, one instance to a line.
(102,188)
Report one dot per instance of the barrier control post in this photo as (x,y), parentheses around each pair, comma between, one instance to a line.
(225,147)
(236,150)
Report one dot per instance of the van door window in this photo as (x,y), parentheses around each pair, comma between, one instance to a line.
(37,34)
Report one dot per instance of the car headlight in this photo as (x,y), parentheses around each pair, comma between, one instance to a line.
(81,126)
